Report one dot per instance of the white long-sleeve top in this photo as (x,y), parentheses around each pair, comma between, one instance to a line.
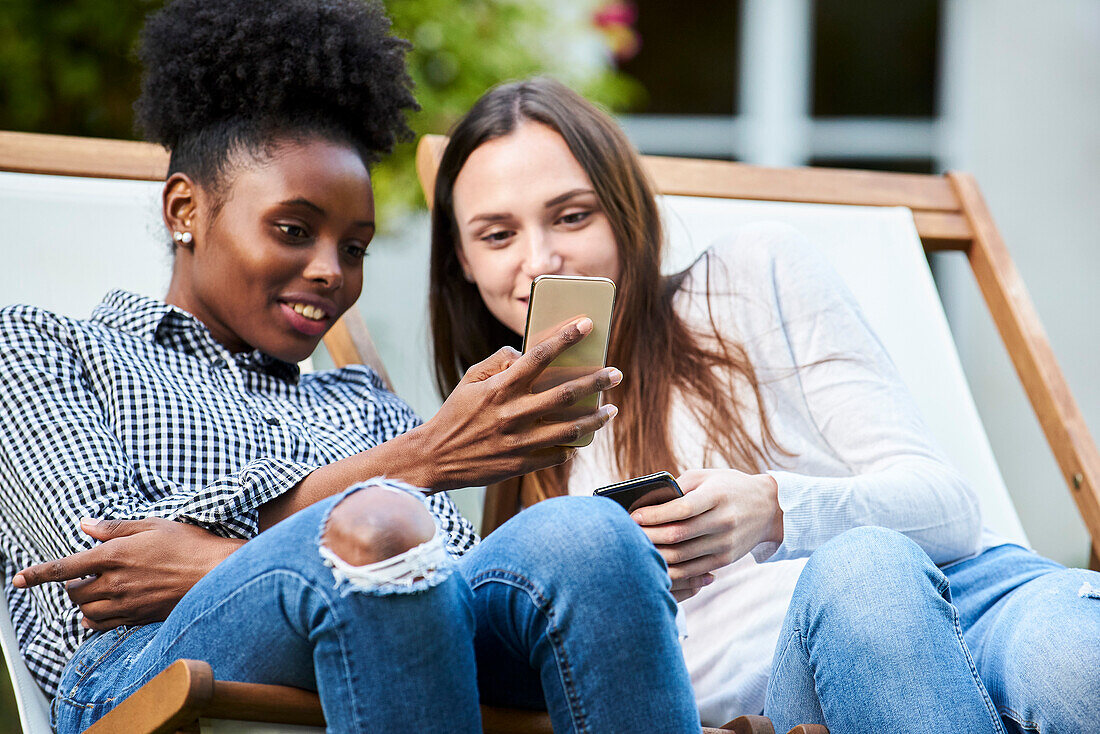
(833,398)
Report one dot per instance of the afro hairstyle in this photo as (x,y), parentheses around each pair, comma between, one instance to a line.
(238,75)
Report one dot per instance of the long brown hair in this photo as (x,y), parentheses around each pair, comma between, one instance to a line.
(657,352)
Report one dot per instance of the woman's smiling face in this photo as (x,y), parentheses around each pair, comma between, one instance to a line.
(524,208)
(280,259)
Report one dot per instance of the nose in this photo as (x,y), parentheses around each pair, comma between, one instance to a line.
(541,257)
(324,266)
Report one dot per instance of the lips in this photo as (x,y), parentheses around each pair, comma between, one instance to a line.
(309,319)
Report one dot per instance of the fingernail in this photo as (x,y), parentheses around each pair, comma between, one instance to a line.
(708,580)
(584,325)
(84,624)
(615,375)
(610,411)
(89,521)
(18,581)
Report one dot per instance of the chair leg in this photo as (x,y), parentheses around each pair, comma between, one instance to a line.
(750,725)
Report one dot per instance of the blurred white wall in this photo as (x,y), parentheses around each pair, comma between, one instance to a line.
(1021,111)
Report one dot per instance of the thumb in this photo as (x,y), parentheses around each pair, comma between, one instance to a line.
(691,479)
(107,529)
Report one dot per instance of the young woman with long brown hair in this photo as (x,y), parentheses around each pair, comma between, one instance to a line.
(753,376)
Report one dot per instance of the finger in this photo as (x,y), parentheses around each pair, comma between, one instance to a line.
(704,544)
(547,435)
(103,610)
(85,590)
(684,594)
(107,529)
(691,479)
(496,363)
(531,364)
(693,582)
(677,510)
(707,524)
(699,566)
(107,624)
(84,563)
(570,393)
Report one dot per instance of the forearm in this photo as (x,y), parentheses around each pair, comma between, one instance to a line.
(923,499)
(401,458)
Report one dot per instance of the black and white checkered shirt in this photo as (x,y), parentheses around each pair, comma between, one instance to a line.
(138,412)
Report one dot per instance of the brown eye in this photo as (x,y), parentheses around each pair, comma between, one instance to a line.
(356,251)
(292,230)
(497,238)
(574,217)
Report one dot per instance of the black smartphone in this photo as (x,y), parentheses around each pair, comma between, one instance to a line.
(652,489)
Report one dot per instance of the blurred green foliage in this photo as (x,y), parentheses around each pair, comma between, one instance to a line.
(68,66)
(9,719)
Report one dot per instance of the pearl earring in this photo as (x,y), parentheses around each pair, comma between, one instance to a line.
(184,238)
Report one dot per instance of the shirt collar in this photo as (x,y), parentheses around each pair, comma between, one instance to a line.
(134,314)
(155,321)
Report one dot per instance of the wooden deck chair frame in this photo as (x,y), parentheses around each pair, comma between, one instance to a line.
(950,214)
(186,692)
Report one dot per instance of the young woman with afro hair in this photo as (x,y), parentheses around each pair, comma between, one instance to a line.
(205,500)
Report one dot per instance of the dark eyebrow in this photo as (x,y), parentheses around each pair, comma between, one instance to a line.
(488,218)
(561,198)
(303,202)
(310,205)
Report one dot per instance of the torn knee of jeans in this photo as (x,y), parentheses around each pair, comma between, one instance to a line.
(1088,591)
(383,541)
(417,569)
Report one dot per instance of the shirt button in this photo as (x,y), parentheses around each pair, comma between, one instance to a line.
(220,362)
(272,421)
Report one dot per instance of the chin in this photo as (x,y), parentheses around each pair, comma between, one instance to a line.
(293,353)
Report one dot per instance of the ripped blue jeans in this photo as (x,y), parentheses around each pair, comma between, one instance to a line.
(878,639)
(565,607)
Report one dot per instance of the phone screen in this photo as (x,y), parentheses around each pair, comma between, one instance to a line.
(652,489)
(557,300)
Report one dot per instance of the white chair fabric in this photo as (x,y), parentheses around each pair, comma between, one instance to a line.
(878,253)
(68,240)
(34,708)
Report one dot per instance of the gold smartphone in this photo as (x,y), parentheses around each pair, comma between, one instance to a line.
(555,301)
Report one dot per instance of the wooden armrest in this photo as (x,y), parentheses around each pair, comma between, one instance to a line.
(748,725)
(186,690)
(509,721)
(172,699)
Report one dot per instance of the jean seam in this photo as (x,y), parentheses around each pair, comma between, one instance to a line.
(88,670)
(565,669)
(1026,724)
(994,714)
(345,654)
(795,633)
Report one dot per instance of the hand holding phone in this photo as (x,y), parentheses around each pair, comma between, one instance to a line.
(555,301)
(493,425)
(652,489)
